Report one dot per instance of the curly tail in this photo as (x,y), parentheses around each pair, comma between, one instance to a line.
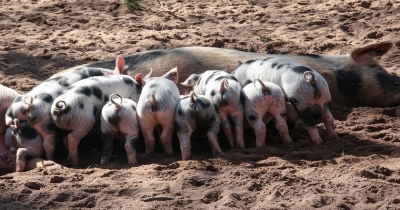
(60,106)
(224,85)
(117,105)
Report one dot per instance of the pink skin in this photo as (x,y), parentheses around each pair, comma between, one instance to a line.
(20,167)
(74,139)
(149,118)
(327,119)
(237,116)
(48,140)
(315,135)
(266,100)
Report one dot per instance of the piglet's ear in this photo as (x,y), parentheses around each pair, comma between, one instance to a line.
(371,51)
(119,66)
(172,75)
(191,80)
(139,79)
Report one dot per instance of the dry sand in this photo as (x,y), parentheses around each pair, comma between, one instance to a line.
(361,170)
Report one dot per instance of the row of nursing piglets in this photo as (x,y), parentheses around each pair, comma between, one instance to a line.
(79,106)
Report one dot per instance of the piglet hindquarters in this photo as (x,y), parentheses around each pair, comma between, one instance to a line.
(196,112)
(156,106)
(119,120)
(262,102)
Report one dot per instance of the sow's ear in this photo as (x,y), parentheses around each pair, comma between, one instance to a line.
(371,51)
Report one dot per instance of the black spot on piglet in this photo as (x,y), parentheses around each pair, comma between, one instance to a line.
(114,119)
(301,69)
(63,82)
(204,104)
(128,81)
(45,97)
(95,72)
(84,90)
(212,93)
(97,92)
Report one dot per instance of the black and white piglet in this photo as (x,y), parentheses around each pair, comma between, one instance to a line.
(194,112)
(119,120)
(305,88)
(156,106)
(225,93)
(264,101)
(25,141)
(34,106)
(79,107)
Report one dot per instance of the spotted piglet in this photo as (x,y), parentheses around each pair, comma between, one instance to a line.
(79,107)
(196,112)
(119,120)
(264,101)
(225,93)
(156,106)
(305,88)
(25,141)
(34,106)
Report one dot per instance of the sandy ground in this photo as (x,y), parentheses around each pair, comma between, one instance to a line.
(361,170)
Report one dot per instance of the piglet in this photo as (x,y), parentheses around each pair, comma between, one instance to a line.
(119,120)
(27,143)
(304,87)
(34,106)
(195,112)
(264,101)
(156,106)
(7,95)
(79,107)
(225,93)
